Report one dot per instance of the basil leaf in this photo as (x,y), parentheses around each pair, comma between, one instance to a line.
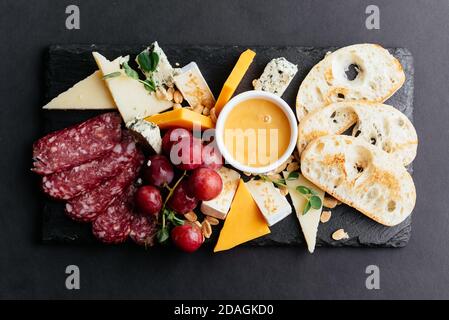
(154,60)
(145,62)
(315,202)
(130,72)
(111,75)
(306,208)
(293,176)
(162,235)
(303,190)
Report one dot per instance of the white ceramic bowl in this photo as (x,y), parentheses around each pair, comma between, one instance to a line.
(255,94)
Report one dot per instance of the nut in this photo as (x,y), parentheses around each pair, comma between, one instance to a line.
(254,83)
(325,216)
(340,234)
(191,216)
(161,93)
(247,174)
(293,166)
(198,224)
(296,156)
(330,202)
(213,115)
(177,97)
(198,108)
(206,229)
(206,111)
(275,176)
(212,220)
(283,190)
(177,106)
(169,94)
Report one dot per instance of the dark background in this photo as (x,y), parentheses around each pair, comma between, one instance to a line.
(29,269)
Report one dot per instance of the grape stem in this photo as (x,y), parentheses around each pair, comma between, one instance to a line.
(170,193)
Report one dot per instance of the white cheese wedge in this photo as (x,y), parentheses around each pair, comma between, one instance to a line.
(276,76)
(194,87)
(219,206)
(273,205)
(163,75)
(90,93)
(147,133)
(132,99)
(309,221)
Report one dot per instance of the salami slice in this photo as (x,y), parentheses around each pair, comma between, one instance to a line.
(114,225)
(78,144)
(88,206)
(143,230)
(72,182)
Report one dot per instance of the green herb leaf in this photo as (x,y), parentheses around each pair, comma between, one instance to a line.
(293,176)
(149,85)
(303,190)
(306,208)
(111,75)
(130,72)
(177,221)
(154,60)
(144,61)
(162,235)
(315,202)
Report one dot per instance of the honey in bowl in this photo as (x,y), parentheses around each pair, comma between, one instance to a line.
(256,132)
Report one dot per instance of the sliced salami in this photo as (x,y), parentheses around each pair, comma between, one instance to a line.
(88,206)
(78,144)
(114,225)
(68,184)
(143,230)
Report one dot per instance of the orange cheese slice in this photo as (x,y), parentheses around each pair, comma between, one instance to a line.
(183,118)
(234,79)
(244,221)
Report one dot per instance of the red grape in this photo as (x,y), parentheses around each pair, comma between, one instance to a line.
(148,200)
(186,154)
(181,201)
(187,237)
(172,136)
(159,171)
(211,157)
(205,184)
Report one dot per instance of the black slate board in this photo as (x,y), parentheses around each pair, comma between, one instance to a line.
(67,64)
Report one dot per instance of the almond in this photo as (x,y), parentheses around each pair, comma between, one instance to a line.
(340,234)
(177,97)
(212,220)
(160,93)
(330,202)
(293,166)
(169,94)
(206,229)
(325,216)
(191,216)
(283,190)
(198,224)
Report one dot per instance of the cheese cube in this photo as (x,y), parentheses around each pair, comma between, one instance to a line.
(271,203)
(309,221)
(219,206)
(276,76)
(147,133)
(194,87)
(132,99)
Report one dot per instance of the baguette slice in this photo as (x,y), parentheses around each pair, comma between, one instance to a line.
(379,76)
(360,175)
(379,124)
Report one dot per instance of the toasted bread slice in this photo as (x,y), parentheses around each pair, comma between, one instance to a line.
(378,75)
(360,175)
(379,124)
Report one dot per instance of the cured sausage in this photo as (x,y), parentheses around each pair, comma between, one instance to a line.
(68,184)
(88,206)
(143,230)
(77,144)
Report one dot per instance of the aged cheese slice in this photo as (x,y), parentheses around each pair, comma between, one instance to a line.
(131,97)
(89,93)
(309,221)
(183,118)
(234,79)
(219,206)
(244,222)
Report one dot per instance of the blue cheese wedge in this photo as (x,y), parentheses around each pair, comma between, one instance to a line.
(132,99)
(194,87)
(219,206)
(147,133)
(309,221)
(276,76)
(273,205)
(163,75)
